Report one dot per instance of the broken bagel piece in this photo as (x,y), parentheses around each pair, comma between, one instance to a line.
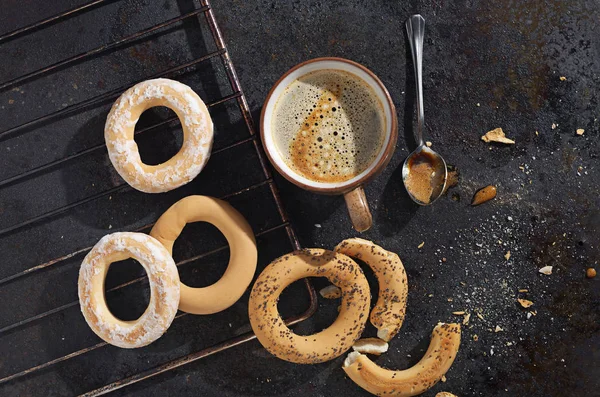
(445,341)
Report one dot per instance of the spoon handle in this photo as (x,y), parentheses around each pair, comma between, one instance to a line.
(415,28)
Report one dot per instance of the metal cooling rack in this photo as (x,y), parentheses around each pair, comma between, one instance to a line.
(14,328)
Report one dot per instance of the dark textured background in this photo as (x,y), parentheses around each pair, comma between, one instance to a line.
(486,65)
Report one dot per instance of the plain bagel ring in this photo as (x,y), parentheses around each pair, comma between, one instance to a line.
(197,135)
(331,342)
(242,246)
(164,289)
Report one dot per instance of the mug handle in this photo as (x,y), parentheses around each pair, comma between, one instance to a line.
(358,208)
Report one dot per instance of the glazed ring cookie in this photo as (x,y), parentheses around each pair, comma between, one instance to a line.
(164,289)
(388,314)
(197,135)
(242,246)
(333,341)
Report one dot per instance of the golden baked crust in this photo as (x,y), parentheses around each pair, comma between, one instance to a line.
(333,341)
(242,247)
(197,135)
(164,289)
(388,314)
(445,340)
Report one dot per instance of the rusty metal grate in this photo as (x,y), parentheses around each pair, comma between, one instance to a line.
(20,222)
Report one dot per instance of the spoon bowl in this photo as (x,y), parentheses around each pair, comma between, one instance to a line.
(424,174)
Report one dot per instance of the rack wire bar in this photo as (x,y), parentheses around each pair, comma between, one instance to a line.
(108,96)
(73,303)
(141,280)
(88,54)
(171,120)
(112,190)
(52,19)
(190,358)
(240,98)
(86,249)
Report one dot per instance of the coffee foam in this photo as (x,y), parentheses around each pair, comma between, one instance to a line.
(328,125)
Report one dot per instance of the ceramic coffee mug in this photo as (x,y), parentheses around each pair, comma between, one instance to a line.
(352,188)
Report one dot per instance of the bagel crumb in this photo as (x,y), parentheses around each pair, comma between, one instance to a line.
(459,313)
(590,272)
(525,303)
(370,346)
(547,270)
(523,290)
(421,245)
(331,292)
(475,337)
(466,319)
(497,135)
(443,378)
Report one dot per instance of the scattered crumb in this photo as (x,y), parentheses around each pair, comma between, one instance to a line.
(466,319)
(525,303)
(547,270)
(537,133)
(590,272)
(444,394)
(563,78)
(484,194)
(475,337)
(498,329)
(554,126)
(529,315)
(460,313)
(443,378)
(497,135)
(478,104)
(318,225)
(444,259)
(450,300)
(428,144)
(509,343)
(109,227)
(533,312)
(479,315)
(580,131)
(523,290)
(331,292)
(507,255)
(421,245)
(11,101)
(370,346)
